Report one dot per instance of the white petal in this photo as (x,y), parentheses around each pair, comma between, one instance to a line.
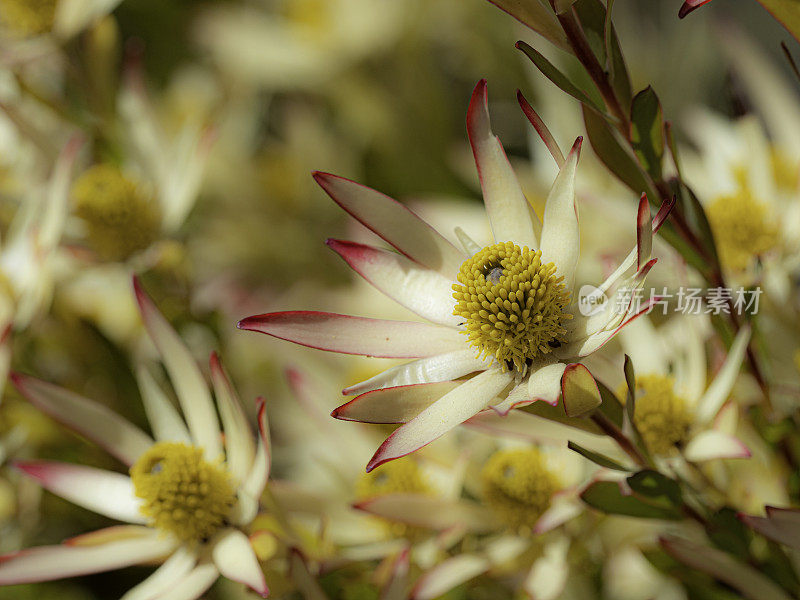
(256,480)
(47,563)
(548,576)
(193,585)
(395,223)
(563,508)
(164,419)
(450,410)
(419,289)
(560,231)
(234,557)
(104,492)
(240,449)
(171,571)
(715,444)
(435,369)
(98,423)
(449,574)
(642,343)
(356,335)
(394,404)
(190,387)
(509,212)
(545,383)
(74,15)
(720,388)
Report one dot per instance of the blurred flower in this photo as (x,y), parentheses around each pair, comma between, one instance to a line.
(518,312)
(180,501)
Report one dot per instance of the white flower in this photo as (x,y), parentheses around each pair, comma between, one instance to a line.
(198,530)
(518,347)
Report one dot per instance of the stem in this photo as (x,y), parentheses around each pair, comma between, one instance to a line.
(580,46)
(614,432)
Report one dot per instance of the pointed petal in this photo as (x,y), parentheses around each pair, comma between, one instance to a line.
(644,232)
(545,383)
(164,420)
(171,571)
(449,574)
(429,512)
(563,508)
(719,390)
(450,410)
(234,557)
(509,212)
(436,369)
(419,289)
(240,449)
(560,231)
(98,423)
(356,335)
(104,492)
(395,223)
(47,563)
(540,127)
(548,576)
(580,391)
(715,444)
(395,588)
(190,386)
(302,578)
(253,486)
(393,405)
(193,585)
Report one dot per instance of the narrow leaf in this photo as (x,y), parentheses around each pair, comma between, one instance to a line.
(597,458)
(647,130)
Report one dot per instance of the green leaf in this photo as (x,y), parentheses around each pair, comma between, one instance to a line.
(615,152)
(630,383)
(608,497)
(592,16)
(611,406)
(539,16)
(597,458)
(561,81)
(728,533)
(647,131)
(658,488)
(579,391)
(558,415)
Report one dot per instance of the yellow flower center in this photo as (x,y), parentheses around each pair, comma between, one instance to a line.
(784,171)
(28,17)
(312,14)
(661,416)
(401,476)
(182,492)
(512,304)
(121,218)
(742,229)
(518,486)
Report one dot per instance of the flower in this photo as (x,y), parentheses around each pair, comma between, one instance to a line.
(515,325)
(675,409)
(188,496)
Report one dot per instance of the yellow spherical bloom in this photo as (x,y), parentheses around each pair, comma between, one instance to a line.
(121,217)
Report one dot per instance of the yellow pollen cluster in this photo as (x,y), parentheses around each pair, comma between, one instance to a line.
(402,476)
(182,492)
(518,486)
(785,172)
(28,17)
(314,14)
(512,304)
(660,415)
(742,229)
(120,217)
